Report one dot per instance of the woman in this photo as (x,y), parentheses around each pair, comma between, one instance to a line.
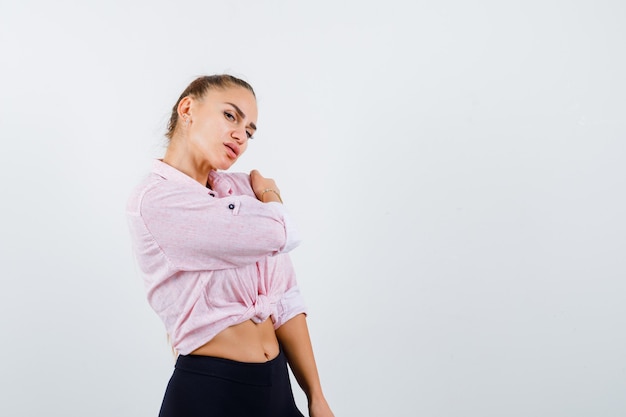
(212,247)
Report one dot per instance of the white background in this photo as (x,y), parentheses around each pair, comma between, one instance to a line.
(457,169)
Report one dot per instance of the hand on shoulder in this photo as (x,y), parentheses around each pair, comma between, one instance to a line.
(265,189)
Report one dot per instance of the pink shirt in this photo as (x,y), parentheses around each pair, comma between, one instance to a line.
(211,258)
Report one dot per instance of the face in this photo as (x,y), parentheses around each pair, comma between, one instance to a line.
(220,125)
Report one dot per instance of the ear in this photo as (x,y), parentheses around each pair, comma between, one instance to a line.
(184,108)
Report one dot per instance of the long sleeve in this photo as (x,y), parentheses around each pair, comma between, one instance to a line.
(198,232)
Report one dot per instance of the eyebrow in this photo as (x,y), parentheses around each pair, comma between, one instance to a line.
(241,114)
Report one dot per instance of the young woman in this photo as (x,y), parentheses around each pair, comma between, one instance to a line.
(212,247)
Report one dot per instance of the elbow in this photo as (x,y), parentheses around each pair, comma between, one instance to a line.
(290,237)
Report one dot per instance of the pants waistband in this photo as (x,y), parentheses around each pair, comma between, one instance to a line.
(243,372)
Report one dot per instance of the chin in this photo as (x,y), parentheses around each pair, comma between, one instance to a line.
(225,166)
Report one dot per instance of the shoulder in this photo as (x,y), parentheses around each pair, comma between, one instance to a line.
(157,191)
(139,191)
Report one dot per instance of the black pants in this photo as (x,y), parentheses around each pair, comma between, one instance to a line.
(203,386)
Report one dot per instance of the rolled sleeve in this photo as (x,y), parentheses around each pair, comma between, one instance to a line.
(292,237)
(290,305)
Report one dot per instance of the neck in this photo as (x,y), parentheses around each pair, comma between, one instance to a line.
(181,158)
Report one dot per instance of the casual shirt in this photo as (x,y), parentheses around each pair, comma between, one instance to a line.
(211,257)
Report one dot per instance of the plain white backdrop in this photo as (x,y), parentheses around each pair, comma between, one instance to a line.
(457,170)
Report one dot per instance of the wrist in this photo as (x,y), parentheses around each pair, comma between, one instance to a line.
(270,192)
(314,395)
(319,407)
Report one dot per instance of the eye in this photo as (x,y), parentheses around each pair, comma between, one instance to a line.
(249,135)
(229,116)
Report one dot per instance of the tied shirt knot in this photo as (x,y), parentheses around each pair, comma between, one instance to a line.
(262,308)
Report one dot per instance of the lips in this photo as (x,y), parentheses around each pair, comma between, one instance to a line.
(232,149)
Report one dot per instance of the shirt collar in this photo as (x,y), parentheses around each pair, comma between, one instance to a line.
(170,173)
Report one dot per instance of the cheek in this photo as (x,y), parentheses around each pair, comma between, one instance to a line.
(205,134)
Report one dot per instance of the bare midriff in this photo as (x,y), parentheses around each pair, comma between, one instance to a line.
(244,342)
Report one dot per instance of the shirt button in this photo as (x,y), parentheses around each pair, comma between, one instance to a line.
(231,206)
(212,194)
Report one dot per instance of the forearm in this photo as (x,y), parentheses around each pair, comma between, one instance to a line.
(296,343)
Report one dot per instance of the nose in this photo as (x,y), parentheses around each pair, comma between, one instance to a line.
(240,135)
